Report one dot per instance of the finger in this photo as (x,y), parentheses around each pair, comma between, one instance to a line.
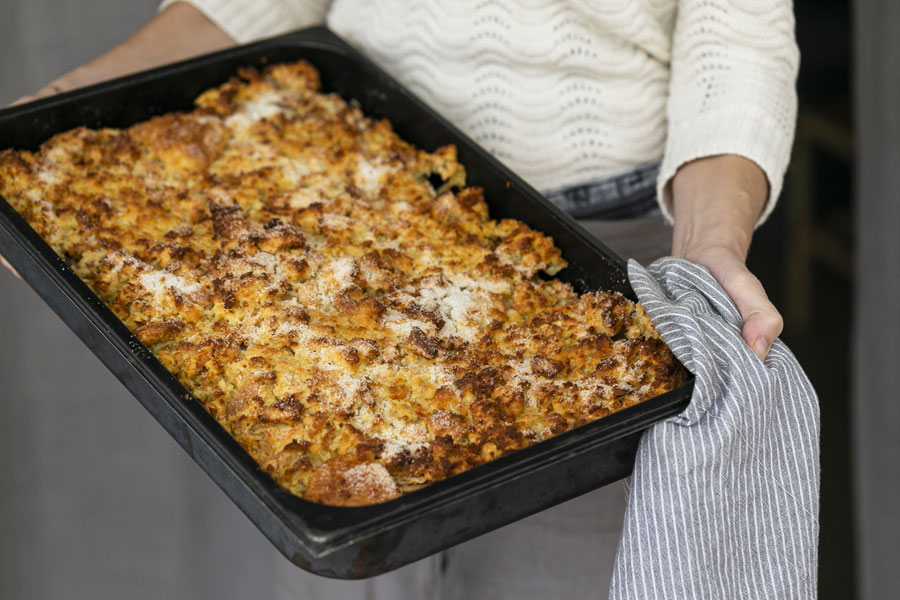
(761,329)
(23,100)
(51,89)
(762,321)
(9,266)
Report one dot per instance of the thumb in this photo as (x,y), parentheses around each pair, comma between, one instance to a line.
(762,321)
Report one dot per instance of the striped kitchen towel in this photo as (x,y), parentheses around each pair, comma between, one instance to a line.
(724,498)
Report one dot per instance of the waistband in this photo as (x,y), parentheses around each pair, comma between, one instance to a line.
(625,196)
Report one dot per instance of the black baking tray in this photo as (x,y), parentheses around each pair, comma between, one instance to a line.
(332,541)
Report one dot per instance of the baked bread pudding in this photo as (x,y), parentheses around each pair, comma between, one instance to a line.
(358,331)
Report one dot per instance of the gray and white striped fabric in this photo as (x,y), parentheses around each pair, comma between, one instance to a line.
(723,501)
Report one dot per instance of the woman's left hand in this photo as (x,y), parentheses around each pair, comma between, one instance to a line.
(716,203)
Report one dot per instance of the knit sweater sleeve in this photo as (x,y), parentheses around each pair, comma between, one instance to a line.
(732,89)
(249,21)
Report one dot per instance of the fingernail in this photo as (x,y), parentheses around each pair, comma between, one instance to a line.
(762,347)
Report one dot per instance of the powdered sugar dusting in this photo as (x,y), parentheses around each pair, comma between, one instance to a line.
(369,177)
(339,273)
(398,322)
(266,105)
(399,438)
(268,261)
(456,306)
(491,286)
(49,175)
(303,198)
(159,283)
(336,222)
(369,477)
(350,388)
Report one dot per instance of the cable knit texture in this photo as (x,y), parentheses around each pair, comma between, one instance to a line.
(569,92)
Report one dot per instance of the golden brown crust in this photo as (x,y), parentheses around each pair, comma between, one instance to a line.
(360,333)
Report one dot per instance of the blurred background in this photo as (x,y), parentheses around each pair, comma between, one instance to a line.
(70,512)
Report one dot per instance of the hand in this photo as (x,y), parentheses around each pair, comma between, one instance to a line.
(9,266)
(80,77)
(762,322)
(178,32)
(87,74)
(716,203)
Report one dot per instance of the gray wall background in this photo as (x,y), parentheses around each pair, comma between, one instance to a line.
(95,498)
(876,402)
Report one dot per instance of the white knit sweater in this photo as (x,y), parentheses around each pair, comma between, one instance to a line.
(569,92)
